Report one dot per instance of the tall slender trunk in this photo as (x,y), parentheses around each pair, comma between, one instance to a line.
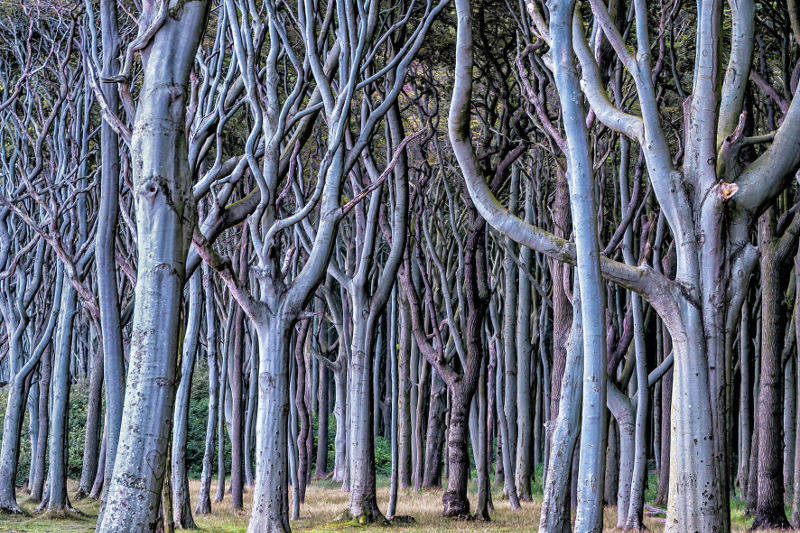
(745,426)
(91,441)
(204,496)
(321,463)
(523,470)
(302,410)
(181,501)
(37,483)
(237,391)
(404,396)
(770,513)
(434,439)
(57,499)
(107,216)
(504,455)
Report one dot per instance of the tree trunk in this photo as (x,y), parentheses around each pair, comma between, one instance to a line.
(181,501)
(455,498)
(321,463)
(107,216)
(270,498)
(37,483)
(57,499)
(204,496)
(91,441)
(555,514)
(165,220)
(434,440)
(770,513)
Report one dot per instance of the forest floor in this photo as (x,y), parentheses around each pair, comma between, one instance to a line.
(324,503)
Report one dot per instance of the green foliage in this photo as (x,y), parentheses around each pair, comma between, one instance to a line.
(78,402)
(197,422)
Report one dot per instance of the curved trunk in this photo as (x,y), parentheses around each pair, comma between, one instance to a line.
(622,410)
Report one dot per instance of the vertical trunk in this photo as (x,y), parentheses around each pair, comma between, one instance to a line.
(57,464)
(434,439)
(789,417)
(504,455)
(91,440)
(404,396)
(393,380)
(270,498)
(362,506)
(589,516)
(321,463)
(340,466)
(562,309)
(555,515)
(510,319)
(666,428)
(744,400)
(204,496)
(37,483)
(33,430)
(611,488)
(97,484)
(639,474)
(237,389)
(249,421)
(482,457)
(770,513)
(523,353)
(455,498)
(223,386)
(419,427)
(181,503)
(108,213)
(796,458)
(164,220)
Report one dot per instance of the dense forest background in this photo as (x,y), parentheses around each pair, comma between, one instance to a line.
(434,264)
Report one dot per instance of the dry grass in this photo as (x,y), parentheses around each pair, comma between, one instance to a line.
(324,503)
